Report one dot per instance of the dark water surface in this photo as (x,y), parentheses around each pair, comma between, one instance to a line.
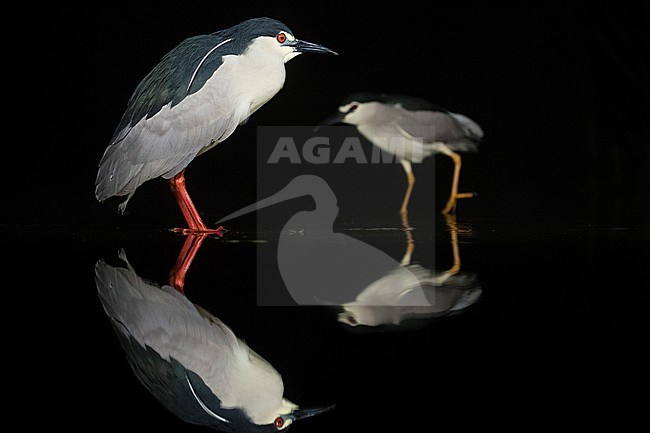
(561,319)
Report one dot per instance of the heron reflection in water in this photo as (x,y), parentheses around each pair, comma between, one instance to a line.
(190,360)
(410,291)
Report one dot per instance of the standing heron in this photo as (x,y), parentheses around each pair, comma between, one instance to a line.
(190,102)
(412,129)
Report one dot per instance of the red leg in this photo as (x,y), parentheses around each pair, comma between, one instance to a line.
(191,215)
(184,260)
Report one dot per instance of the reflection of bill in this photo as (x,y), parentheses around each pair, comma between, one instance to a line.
(410,291)
(190,360)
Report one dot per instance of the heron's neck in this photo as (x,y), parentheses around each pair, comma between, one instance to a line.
(260,75)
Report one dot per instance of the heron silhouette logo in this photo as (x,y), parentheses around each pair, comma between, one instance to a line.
(320,266)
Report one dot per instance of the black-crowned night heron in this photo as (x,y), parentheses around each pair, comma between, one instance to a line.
(193,100)
(412,129)
(190,360)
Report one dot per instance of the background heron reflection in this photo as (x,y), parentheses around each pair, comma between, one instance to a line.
(410,291)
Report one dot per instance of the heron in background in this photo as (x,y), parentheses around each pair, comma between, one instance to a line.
(193,100)
(190,360)
(412,129)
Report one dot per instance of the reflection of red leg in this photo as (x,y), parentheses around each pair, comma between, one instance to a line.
(184,260)
(191,215)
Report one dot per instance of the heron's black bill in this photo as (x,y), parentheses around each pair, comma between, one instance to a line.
(308,47)
(308,412)
(333,120)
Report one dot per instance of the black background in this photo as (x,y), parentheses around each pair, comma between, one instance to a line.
(562,92)
(560,89)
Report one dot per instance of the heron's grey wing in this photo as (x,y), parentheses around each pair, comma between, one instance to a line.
(471,129)
(430,126)
(167,121)
(180,73)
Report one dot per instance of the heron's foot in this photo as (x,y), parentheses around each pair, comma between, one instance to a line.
(201,231)
(450,208)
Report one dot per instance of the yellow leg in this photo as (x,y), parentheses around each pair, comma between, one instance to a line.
(411,181)
(410,243)
(453,229)
(451,203)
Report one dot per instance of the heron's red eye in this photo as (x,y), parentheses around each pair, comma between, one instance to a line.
(352,108)
(281,37)
(279,422)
